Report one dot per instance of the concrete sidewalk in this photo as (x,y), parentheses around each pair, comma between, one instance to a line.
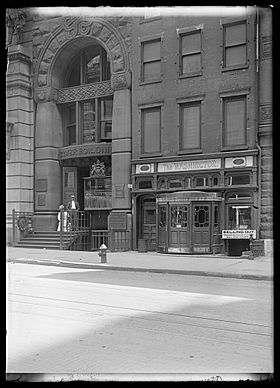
(261,268)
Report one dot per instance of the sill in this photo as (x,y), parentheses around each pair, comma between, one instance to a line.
(191,151)
(152,155)
(143,83)
(234,148)
(232,68)
(182,76)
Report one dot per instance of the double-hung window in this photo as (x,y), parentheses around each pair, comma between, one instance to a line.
(190,125)
(235,45)
(151,128)
(190,53)
(234,121)
(151,61)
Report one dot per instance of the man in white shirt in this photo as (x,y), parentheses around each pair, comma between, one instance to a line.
(73,207)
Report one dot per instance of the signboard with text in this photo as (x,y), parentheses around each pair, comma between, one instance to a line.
(238,234)
(189,165)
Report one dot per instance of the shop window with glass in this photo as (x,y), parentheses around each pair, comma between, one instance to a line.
(201,216)
(151,61)
(151,128)
(179,216)
(235,46)
(190,53)
(201,181)
(70,131)
(106,112)
(239,217)
(190,126)
(234,121)
(97,193)
(238,179)
(145,184)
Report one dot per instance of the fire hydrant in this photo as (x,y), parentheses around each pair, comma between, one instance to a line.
(103,253)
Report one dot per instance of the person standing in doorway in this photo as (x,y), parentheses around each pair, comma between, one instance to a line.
(73,208)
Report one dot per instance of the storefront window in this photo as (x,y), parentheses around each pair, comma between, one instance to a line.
(201,216)
(179,216)
(162,216)
(239,217)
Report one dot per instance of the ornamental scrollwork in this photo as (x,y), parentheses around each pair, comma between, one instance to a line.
(15,20)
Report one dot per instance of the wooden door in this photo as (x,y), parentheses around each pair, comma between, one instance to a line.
(179,229)
(149,224)
(69,183)
(162,228)
(201,228)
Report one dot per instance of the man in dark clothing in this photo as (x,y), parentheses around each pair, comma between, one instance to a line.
(73,208)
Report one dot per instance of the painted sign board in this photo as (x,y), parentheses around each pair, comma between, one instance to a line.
(117,221)
(189,165)
(239,233)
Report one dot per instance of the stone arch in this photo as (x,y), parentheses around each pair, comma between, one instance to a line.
(71,29)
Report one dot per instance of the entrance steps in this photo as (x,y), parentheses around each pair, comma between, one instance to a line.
(45,239)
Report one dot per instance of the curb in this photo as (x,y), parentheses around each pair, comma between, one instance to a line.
(70,264)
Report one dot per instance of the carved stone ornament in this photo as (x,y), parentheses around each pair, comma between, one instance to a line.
(266,47)
(97,169)
(101,30)
(45,94)
(121,81)
(265,113)
(15,20)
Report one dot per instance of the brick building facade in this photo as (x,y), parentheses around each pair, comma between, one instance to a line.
(175,110)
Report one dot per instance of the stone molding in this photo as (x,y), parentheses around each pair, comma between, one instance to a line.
(19,57)
(265,113)
(9,128)
(121,81)
(13,88)
(15,21)
(266,47)
(45,94)
(76,27)
(84,92)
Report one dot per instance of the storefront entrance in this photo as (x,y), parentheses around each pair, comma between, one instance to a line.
(190,225)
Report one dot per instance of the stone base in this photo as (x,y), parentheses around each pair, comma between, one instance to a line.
(268,247)
(45,222)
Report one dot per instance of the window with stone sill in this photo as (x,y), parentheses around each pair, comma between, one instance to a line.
(234,44)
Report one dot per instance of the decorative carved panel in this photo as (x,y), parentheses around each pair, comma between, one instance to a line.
(84,92)
(265,114)
(266,47)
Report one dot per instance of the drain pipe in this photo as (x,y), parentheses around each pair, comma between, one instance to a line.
(257,121)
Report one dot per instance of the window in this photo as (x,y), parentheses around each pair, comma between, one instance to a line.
(175,183)
(239,217)
(88,121)
(201,181)
(70,135)
(190,53)
(241,179)
(147,184)
(91,65)
(215,181)
(151,124)
(190,126)
(178,216)
(234,121)
(151,62)
(106,112)
(162,216)
(235,49)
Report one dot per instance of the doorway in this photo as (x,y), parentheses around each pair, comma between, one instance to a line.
(148,222)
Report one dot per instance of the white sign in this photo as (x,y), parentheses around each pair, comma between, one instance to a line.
(188,165)
(244,161)
(238,234)
(144,168)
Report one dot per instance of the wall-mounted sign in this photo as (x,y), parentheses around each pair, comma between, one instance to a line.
(117,221)
(84,150)
(144,168)
(239,234)
(188,165)
(244,161)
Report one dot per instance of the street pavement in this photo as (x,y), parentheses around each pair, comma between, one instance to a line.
(260,268)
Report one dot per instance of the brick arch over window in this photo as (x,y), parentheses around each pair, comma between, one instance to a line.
(76,29)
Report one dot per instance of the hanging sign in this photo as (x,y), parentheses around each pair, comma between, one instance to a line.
(239,234)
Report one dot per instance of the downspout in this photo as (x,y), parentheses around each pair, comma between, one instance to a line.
(257,121)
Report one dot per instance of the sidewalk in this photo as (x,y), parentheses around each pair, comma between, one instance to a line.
(261,268)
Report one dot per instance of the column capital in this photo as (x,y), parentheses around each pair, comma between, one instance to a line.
(121,80)
(45,94)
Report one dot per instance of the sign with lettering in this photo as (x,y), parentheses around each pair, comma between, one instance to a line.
(85,150)
(188,165)
(117,221)
(239,234)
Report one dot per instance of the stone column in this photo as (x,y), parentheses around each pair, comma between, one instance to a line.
(120,217)
(48,140)
(265,126)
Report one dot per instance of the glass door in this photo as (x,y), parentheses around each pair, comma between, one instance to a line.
(179,229)
(201,228)
(162,228)
(69,183)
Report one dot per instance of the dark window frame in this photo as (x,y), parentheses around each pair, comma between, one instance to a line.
(225,102)
(181,55)
(142,78)
(144,111)
(225,66)
(182,106)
